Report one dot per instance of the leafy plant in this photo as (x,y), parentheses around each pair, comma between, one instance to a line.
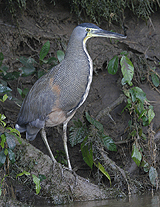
(140,109)
(91,135)
(7,142)
(29,67)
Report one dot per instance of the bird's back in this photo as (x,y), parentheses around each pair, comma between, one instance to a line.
(62,88)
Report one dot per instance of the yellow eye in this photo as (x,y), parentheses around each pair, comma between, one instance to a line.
(88,30)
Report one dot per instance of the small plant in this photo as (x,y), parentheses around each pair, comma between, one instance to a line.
(36,179)
(61,157)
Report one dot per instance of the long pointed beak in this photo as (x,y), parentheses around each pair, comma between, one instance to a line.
(104,33)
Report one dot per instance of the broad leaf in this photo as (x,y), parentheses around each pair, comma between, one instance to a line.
(10,141)
(44,50)
(155,79)
(113,65)
(109,143)
(127,69)
(37,183)
(137,93)
(153,176)
(4,98)
(60,55)
(136,155)
(94,122)
(2,158)
(87,153)
(151,115)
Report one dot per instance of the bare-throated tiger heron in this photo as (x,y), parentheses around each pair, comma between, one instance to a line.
(56,96)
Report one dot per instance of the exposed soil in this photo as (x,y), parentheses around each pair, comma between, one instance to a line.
(55,23)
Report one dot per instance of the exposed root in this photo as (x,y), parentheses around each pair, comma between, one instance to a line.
(117,169)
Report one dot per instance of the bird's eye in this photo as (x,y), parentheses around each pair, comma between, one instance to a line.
(88,30)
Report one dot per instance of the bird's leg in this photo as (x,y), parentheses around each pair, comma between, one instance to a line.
(44,137)
(65,144)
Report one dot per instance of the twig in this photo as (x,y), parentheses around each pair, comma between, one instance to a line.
(151,23)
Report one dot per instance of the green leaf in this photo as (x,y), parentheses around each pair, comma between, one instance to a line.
(136,155)
(94,122)
(4,98)
(102,169)
(60,55)
(2,158)
(40,73)
(3,140)
(37,183)
(77,133)
(11,156)
(22,173)
(52,60)
(6,151)
(44,50)
(1,58)
(113,65)
(109,143)
(124,53)
(10,141)
(28,68)
(87,153)
(127,69)
(151,115)
(153,176)
(155,79)
(19,91)
(12,75)
(2,117)
(137,93)
(42,177)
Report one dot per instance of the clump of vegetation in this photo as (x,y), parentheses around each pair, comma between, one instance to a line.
(113,10)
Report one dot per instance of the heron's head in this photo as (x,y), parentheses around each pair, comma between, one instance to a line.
(88,30)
